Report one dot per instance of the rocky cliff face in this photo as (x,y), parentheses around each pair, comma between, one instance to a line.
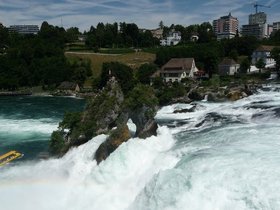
(143,118)
(100,115)
(110,109)
(140,106)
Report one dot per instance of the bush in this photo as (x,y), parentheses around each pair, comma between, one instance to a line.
(57,143)
(140,96)
(123,73)
(215,81)
(166,94)
(70,120)
(145,71)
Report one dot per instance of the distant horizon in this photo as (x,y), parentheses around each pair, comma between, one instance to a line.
(145,13)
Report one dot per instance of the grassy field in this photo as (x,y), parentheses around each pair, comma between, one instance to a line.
(134,60)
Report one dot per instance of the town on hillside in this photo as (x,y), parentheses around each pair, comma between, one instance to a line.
(67,62)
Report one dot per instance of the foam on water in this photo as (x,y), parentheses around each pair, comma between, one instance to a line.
(75,182)
(13,126)
(232,168)
(222,156)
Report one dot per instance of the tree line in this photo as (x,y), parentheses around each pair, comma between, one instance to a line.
(119,36)
(31,60)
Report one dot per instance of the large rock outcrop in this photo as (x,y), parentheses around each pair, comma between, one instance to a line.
(143,118)
(100,115)
(140,106)
(107,110)
(117,137)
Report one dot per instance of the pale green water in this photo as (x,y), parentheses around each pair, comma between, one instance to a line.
(26,123)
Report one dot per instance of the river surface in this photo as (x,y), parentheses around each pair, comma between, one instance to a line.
(222,156)
(26,123)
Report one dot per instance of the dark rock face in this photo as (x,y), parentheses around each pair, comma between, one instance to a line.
(184,100)
(117,137)
(195,95)
(100,115)
(223,93)
(150,129)
(192,109)
(143,118)
(106,109)
(146,126)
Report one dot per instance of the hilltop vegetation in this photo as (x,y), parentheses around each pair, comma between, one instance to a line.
(33,60)
(38,60)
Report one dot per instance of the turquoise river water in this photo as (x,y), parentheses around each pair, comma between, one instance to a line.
(222,156)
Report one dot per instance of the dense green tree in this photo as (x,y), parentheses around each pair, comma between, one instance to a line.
(141,95)
(205,32)
(243,45)
(56,143)
(144,72)
(38,60)
(275,54)
(123,73)
(72,34)
(161,25)
(70,120)
(260,64)
(158,83)
(233,54)
(4,37)
(274,38)
(167,93)
(245,66)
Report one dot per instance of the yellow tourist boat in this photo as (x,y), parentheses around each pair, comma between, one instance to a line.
(10,156)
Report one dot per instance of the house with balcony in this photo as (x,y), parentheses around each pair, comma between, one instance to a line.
(263,52)
(176,69)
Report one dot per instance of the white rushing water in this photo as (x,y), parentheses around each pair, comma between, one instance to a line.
(221,156)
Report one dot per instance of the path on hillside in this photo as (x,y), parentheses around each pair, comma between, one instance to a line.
(90,53)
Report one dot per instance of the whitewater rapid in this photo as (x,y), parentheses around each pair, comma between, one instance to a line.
(221,156)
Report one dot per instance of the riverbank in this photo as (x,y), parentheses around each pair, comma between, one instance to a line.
(15,93)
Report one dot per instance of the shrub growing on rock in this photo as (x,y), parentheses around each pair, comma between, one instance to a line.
(57,143)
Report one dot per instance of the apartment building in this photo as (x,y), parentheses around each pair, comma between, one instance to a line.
(225,27)
(24,29)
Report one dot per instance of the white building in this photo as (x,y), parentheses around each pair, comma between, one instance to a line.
(228,67)
(173,38)
(178,68)
(24,29)
(258,18)
(257,26)
(263,52)
(276,26)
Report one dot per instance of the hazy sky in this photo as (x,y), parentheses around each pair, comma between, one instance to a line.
(145,13)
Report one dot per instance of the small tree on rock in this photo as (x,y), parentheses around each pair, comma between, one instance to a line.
(260,64)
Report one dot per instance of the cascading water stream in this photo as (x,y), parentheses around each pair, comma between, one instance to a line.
(221,156)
